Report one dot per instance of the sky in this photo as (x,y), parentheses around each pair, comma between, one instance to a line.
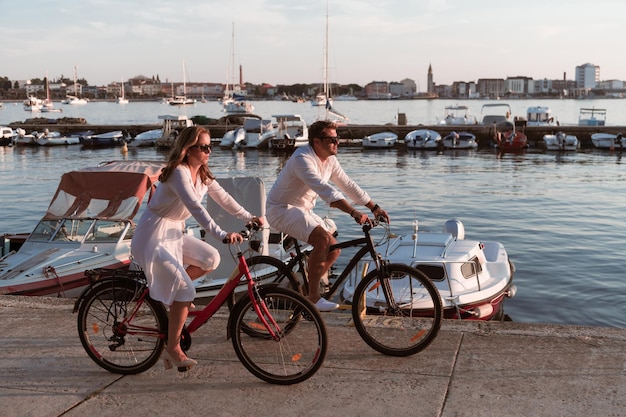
(283,41)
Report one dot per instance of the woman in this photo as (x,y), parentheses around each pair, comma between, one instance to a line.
(171,259)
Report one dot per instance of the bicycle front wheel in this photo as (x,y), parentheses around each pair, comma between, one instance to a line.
(299,348)
(398,314)
(119,333)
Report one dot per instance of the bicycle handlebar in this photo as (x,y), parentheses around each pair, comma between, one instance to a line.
(251,227)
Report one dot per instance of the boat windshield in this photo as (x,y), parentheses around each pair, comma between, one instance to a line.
(79,230)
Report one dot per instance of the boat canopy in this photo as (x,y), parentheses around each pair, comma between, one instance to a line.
(113,190)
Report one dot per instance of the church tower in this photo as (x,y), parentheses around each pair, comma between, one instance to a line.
(430,88)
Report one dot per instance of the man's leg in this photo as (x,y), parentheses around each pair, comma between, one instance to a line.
(320,259)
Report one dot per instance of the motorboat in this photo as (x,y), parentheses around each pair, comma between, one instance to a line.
(146,139)
(423,139)
(379,140)
(88,225)
(74,100)
(104,140)
(540,116)
(33,103)
(236,103)
(592,117)
(561,142)
(459,140)
(473,277)
(7,135)
(291,132)
(457,115)
(172,126)
(48,138)
(181,101)
(490,117)
(509,139)
(608,141)
(24,139)
(255,133)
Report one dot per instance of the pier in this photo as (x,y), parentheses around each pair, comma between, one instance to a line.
(350,132)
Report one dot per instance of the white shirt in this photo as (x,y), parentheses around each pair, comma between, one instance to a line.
(305,177)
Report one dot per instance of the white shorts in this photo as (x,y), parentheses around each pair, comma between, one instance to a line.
(294,221)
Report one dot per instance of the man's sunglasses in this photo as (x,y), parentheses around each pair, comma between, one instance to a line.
(332,139)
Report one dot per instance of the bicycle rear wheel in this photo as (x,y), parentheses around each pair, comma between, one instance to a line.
(119,334)
(266,270)
(399,315)
(301,345)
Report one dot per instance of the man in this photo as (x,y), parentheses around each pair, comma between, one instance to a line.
(290,202)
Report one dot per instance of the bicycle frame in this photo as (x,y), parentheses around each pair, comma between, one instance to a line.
(241,270)
(367,246)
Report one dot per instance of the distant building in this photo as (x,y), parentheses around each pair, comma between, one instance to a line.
(430,83)
(490,87)
(587,76)
(377,90)
(519,86)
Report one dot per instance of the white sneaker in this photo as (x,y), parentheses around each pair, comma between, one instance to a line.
(325,305)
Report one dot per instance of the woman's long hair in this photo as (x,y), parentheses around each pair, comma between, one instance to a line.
(187,138)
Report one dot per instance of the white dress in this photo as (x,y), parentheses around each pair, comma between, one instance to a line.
(159,245)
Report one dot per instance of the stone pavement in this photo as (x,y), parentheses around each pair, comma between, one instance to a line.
(471,369)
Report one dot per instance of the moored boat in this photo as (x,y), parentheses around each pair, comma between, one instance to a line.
(459,140)
(146,139)
(423,139)
(592,117)
(7,135)
(172,126)
(561,142)
(608,141)
(509,139)
(473,277)
(457,115)
(380,140)
(88,225)
(255,133)
(104,140)
(291,132)
(540,116)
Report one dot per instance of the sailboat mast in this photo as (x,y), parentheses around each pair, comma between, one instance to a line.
(326,92)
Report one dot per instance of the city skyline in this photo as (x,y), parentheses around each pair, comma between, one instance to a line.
(281,42)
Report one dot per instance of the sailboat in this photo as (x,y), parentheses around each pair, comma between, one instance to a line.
(69,99)
(324,99)
(122,98)
(234,101)
(182,100)
(47,106)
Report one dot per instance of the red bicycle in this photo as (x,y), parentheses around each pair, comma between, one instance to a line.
(278,334)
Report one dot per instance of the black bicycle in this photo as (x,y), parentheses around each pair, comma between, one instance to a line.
(395,308)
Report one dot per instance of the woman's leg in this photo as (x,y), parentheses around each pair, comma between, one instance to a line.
(177,317)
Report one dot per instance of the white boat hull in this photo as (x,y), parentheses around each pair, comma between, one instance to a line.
(422,139)
(473,277)
(561,142)
(380,140)
(607,141)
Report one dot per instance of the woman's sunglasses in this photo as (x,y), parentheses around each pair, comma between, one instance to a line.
(203,148)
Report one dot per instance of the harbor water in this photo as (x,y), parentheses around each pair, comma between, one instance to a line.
(560,216)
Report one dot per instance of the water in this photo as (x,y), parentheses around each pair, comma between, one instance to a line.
(560,217)
(359,112)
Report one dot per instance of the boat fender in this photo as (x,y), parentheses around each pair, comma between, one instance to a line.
(455,228)
(482,311)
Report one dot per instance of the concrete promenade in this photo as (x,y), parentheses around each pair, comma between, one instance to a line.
(472,369)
